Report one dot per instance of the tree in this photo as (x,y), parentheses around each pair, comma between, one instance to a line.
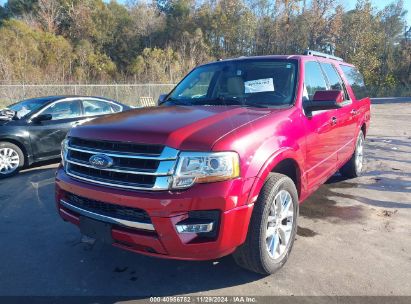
(48,12)
(20,7)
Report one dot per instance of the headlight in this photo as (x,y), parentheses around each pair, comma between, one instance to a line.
(64,151)
(199,167)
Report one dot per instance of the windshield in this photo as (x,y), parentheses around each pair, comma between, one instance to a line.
(25,107)
(268,82)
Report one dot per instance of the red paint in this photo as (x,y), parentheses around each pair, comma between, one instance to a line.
(262,137)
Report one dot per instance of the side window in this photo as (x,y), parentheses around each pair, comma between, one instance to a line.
(334,78)
(355,80)
(96,107)
(116,108)
(313,79)
(64,110)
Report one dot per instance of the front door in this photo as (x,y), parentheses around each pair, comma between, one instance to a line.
(321,129)
(46,136)
(346,116)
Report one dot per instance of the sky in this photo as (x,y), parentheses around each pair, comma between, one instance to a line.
(348,4)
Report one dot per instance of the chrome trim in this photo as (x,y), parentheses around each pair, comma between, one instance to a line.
(162,183)
(167,154)
(164,168)
(108,219)
(210,226)
(167,160)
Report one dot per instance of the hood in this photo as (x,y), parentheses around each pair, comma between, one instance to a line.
(179,127)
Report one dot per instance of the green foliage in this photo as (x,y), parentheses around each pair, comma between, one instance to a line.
(161,40)
(20,7)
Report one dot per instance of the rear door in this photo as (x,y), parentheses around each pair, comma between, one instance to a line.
(358,92)
(346,118)
(46,136)
(321,129)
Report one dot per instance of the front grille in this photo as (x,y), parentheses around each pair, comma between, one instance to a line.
(116,146)
(130,163)
(134,166)
(111,210)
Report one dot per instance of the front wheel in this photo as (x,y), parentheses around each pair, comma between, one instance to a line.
(11,159)
(272,228)
(354,166)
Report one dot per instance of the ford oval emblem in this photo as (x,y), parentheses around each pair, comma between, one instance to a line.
(100,161)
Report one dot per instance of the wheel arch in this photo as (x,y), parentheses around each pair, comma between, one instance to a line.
(20,144)
(285,162)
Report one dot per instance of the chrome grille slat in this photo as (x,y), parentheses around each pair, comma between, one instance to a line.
(164,170)
(168,155)
(128,171)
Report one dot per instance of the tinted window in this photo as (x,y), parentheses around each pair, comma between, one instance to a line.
(252,82)
(96,107)
(355,80)
(64,110)
(334,79)
(313,79)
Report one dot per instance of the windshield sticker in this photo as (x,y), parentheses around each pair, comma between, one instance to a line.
(259,85)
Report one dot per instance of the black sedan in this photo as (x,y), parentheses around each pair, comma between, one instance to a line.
(32,130)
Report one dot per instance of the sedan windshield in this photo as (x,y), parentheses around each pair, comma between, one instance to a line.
(28,106)
(256,82)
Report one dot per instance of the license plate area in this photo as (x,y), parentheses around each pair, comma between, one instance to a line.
(95,229)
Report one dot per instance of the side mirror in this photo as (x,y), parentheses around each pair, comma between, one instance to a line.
(324,100)
(162,98)
(41,117)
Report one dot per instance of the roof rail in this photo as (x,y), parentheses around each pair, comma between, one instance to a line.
(319,54)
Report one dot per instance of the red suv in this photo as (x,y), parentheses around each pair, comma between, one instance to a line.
(222,164)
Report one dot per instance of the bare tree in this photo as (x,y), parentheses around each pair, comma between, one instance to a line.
(49,14)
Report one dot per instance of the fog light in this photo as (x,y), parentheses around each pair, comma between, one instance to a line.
(195,228)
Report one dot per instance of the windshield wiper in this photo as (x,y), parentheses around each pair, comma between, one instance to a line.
(177,102)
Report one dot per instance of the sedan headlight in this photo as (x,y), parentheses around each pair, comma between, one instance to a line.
(199,167)
(64,151)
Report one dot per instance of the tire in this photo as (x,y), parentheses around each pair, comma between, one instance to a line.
(255,254)
(354,166)
(11,159)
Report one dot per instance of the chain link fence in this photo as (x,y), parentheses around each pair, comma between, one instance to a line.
(126,93)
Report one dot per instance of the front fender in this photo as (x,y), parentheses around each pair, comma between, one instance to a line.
(270,164)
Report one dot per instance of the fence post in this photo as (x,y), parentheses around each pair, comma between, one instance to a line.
(116,91)
(75,89)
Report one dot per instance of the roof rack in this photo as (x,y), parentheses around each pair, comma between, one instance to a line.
(319,54)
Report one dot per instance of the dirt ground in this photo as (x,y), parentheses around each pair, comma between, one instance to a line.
(354,237)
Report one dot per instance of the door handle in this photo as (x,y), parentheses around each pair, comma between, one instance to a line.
(354,112)
(333,121)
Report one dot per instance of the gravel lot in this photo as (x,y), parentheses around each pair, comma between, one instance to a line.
(354,237)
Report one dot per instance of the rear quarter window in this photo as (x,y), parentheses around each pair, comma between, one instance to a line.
(355,80)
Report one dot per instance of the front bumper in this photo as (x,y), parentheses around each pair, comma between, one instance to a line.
(165,210)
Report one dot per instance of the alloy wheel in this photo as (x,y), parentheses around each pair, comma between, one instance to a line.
(359,153)
(9,160)
(279,224)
